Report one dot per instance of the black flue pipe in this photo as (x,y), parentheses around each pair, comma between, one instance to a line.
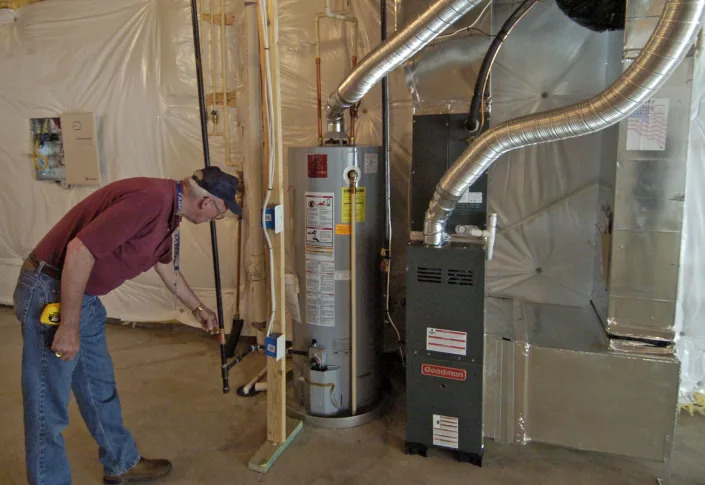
(207,163)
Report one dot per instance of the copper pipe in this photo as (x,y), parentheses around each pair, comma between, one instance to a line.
(353,109)
(239,266)
(339,16)
(353,291)
(318,101)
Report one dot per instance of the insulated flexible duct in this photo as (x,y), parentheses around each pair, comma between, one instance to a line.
(667,46)
(391,54)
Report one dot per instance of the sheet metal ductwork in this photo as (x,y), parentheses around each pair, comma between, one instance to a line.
(667,46)
(392,53)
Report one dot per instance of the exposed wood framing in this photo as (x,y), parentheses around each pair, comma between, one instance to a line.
(280,431)
(215,18)
(15,4)
(219,99)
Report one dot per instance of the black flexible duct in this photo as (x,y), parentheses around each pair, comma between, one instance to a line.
(207,163)
(597,15)
(473,123)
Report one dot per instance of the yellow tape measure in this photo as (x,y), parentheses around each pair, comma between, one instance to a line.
(51,314)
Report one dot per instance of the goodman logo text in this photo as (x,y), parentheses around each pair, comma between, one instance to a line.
(444,372)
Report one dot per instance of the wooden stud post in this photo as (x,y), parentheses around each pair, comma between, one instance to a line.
(280,430)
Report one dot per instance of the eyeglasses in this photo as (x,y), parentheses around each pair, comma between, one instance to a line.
(220,215)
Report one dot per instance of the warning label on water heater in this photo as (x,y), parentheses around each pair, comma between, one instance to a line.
(320,259)
(319,221)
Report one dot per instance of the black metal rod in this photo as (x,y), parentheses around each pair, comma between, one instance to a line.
(298,352)
(207,163)
(385,127)
(472,123)
(238,358)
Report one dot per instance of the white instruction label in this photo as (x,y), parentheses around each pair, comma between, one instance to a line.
(647,127)
(445,431)
(341,346)
(371,162)
(471,198)
(320,259)
(342,275)
(320,290)
(446,341)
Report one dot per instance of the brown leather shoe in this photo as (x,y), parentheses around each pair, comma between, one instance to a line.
(143,471)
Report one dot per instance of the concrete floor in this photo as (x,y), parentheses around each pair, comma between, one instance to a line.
(169,384)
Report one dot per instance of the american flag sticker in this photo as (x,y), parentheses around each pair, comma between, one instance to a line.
(445,431)
(446,341)
(647,127)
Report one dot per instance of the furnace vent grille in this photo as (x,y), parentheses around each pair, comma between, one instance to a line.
(460,277)
(429,275)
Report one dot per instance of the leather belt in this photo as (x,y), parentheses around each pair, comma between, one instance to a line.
(33,264)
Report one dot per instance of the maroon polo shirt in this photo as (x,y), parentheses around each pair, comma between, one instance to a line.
(126,225)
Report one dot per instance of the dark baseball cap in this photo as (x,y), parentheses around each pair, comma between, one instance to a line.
(220,184)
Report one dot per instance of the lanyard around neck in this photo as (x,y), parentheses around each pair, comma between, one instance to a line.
(177,236)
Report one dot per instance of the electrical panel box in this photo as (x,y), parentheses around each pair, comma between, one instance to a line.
(82,149)
(47,149)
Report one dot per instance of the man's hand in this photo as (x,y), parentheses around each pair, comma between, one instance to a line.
(207,319)
(78,265)
(67,341)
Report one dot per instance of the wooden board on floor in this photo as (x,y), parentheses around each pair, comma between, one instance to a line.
(269,452)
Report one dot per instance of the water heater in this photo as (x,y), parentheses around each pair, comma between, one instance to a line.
(321,178)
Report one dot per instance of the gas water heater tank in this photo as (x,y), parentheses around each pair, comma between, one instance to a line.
(322,235)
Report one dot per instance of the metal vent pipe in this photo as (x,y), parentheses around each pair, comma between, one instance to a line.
(669,43)
(391,54)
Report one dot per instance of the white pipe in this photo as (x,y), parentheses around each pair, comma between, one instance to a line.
(255,380)
(269,100)
(337,15)
(254,263)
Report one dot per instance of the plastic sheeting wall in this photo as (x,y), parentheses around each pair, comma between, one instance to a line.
(131,62)
(690,310)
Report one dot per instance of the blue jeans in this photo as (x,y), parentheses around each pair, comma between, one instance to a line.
(47,382)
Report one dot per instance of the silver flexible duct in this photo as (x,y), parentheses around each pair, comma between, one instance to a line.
(667,46)
(391,54)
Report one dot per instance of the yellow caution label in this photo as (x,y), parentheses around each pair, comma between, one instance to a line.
(342,229)
(360,204)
